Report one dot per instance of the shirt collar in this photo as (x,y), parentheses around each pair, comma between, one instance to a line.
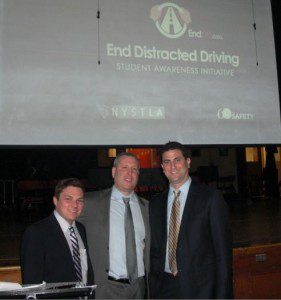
(117,195)
(63,223)
(184,188)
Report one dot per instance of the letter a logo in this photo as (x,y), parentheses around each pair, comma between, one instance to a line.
(170,19)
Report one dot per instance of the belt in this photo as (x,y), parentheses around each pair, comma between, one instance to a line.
(121,280)
(170,275)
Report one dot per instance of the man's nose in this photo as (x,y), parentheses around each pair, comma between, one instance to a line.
(74,203)
(130,171)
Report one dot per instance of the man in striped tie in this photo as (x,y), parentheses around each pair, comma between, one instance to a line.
(191,254)
(55,249)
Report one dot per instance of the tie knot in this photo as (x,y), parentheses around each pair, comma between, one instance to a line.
(177,193)
(126,200)
(71,229)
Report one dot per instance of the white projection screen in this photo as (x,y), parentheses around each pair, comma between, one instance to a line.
(202,72)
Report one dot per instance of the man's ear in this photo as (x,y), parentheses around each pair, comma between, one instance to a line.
(113,171)
(55,201)
(188,160)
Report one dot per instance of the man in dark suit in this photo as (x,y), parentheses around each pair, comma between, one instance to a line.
(104,217)
(55,249)
(191,252)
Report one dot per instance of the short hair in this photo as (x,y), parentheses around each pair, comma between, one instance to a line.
(64,183)
(127,154)
(174,146)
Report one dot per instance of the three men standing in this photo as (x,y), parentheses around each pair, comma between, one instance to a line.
(117,223)
(191,253)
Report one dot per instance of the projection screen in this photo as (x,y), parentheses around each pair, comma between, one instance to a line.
(124,72)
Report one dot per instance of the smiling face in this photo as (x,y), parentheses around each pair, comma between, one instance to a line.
(70,203)
(175,167)
(126,174)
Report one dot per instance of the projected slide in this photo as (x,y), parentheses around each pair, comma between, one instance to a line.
(145,72)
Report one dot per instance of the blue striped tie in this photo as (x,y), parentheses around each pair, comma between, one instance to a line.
(75,253)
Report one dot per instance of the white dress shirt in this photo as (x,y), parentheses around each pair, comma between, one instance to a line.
(182,198)
(117,241)
(83,254)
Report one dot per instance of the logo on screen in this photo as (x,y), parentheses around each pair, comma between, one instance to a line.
(170,19)
(227,114)
(224,113)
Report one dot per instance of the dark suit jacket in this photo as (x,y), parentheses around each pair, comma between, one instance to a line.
(46,256)
(204,251)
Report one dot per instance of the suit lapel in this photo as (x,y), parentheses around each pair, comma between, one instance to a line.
(189,205)
(145,217)
(105,200)
(58,235)
(144,213)
(164,202)
(82,234)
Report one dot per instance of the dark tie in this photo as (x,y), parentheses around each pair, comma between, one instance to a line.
(174,227)
(75,253)
(131,255)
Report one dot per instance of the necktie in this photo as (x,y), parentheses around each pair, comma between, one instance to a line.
(131,255)
(174,227)
(75,253)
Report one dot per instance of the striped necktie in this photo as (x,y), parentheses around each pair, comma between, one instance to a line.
(75,253)
(174,228)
